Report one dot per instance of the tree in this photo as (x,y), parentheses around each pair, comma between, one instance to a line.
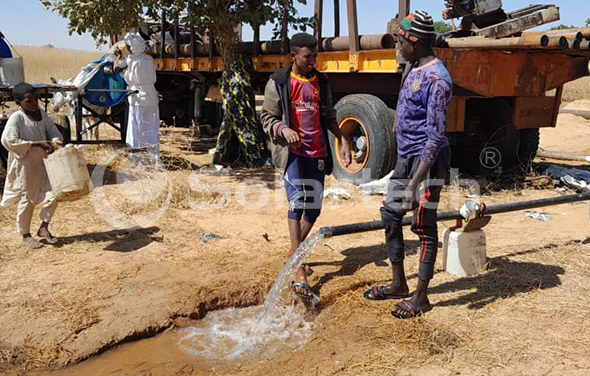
(563,27)
(220,17)
(588,22)
(442,27)
(239,138)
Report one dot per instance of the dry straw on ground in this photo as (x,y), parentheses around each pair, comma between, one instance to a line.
(578,89)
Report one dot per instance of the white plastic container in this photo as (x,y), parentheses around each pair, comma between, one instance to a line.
(12,71)
(68,174)
(464,253)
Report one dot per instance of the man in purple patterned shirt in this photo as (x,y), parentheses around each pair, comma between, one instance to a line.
(422,164)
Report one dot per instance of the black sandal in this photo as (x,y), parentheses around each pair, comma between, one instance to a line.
(378,293)
(406,310)
(307,268)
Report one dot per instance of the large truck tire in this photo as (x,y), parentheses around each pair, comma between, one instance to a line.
(527,148)
(500,145)
(369,123)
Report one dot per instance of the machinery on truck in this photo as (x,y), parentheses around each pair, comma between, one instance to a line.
(508,82)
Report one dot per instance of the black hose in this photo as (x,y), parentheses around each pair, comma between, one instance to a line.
(451,215)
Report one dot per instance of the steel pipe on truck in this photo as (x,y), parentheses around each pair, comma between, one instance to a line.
(576,35)
(367,42)
(267,48)
(200,49)
(524,42)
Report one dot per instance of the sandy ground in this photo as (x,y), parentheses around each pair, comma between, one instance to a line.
(526,315)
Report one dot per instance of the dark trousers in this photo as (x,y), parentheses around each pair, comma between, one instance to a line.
(424,216)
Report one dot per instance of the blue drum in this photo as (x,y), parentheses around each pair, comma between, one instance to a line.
(4,49)
(111,82)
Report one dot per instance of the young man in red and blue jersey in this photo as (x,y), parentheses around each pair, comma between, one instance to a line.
(297,114)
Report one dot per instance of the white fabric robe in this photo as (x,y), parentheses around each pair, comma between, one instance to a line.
(26,174)
(143,128)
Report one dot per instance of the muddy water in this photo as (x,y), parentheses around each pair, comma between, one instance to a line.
(223,339)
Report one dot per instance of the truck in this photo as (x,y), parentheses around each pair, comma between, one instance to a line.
(507,82)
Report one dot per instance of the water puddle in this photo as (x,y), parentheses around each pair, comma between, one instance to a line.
(225,338)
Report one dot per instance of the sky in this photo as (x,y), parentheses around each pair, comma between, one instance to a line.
(27,22)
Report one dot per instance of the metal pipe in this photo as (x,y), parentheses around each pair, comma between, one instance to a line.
(211,48)
(575,44)
(577,35)
(271,47)
(268,48)
(192,30)
(110,91)
(317,18)
(453,215)
(353,30)
(367,42)
(163,35)
(556,42)
(581,113)
(403,10)
(176,46)
(256,44)
(198,103)
(524,42)
(285,29)
(200,49)
(336,18)
(562,155)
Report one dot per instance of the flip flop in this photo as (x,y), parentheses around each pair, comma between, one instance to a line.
(307,268)
(406,310)
(306,287)
(378,293)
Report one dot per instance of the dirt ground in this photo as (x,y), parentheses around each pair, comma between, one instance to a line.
(528,314)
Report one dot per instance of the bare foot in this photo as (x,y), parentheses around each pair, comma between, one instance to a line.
(44,233)
(31,243)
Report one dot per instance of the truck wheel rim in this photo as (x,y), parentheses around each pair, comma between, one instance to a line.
(352,127)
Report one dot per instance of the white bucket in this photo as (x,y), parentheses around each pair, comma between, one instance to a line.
(68,174)
(464,253)
(12,71)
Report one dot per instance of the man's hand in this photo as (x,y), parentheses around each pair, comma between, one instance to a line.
(345,156)
(45,146)
(448,14)
(409,199)
(57,144)
(118,53)
(291,137)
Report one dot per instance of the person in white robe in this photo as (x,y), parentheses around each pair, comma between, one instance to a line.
(139,73)
(29,136)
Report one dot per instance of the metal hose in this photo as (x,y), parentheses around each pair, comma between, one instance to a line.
(452,215)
